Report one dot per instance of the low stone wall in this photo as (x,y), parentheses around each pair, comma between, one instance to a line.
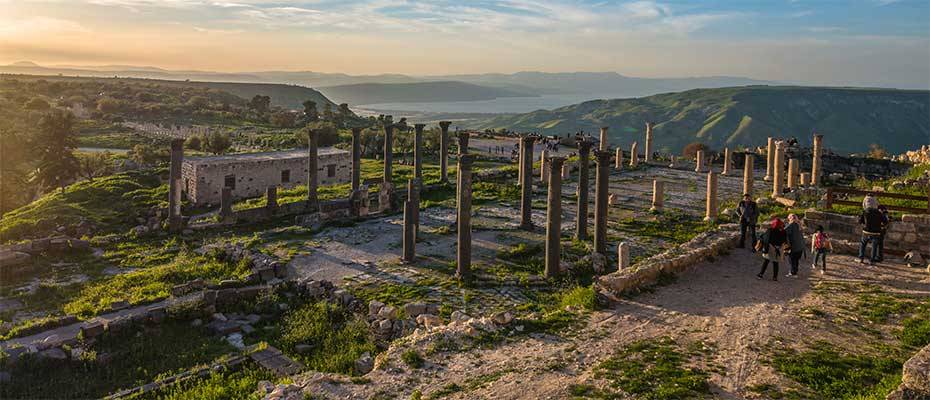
(13,256)
(910,233)
(673,261)
(915,379)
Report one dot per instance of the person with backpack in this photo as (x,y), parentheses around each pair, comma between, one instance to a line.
(748,214)
(872,221)
(795,243)
(770,244)
(820,246)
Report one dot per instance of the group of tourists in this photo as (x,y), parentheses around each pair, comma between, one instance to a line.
(782,240)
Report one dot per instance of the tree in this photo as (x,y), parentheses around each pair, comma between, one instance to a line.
(877,151)
(198,102)
(310,112)
(95,165)
(194,143)
(690,151)
(283,119)
(54,145)
(143,154)
(260,104)
(328,112)
(217,143)
(328,135)
(37,104)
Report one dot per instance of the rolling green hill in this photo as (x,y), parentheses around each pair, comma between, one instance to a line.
(373,93)
(851,118)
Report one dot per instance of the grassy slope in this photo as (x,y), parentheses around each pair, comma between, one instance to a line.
(370,93)
(110,203)
(851,118)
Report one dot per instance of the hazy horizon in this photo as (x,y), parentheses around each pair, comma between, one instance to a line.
(883,43)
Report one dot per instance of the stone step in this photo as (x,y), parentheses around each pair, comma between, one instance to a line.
(275,361)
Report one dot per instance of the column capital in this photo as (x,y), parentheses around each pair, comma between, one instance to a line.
(419,127)
(444,125)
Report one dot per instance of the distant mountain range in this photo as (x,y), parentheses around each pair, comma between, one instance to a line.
(850,118)
(440,89)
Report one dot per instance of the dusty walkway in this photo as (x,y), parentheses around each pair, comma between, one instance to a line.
(719,304)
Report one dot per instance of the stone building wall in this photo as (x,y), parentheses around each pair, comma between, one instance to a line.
(203,178)
(910,233)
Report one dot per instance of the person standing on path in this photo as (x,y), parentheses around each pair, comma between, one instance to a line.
(881,238)
(820,246)
(748,213)
(872,222)
(770,244)
(795,243)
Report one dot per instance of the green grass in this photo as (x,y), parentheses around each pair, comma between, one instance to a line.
(671,225)
(412,359)
(219,385)
(650,369)
(149,284)
(391,293)
(583,297)
(137,356)
(831,373)
(111,203)
(338,337)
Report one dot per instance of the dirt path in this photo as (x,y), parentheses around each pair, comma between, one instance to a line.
(720,304)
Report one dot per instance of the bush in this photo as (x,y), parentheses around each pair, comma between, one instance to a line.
(690,150)
(581,297)
(338,338)
(412,359)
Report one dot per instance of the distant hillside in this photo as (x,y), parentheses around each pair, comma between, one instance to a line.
(851,118)
(288,96)
(420,92)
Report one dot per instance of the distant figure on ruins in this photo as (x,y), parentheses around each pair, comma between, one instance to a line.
(873,223)
(748,213)
(796,243)
(770,244)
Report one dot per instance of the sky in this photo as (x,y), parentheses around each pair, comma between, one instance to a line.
(827,42)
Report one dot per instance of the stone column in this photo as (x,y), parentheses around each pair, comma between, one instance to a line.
(418,151)
(174,185)
(726,161)
(770,159)
(226,202)
(623,256)
(748,165)
(618,160)
(444,150)
(699,161)
(463,218)
(603,139)
(816,172)
(356,158)
(601,188)
(521,144)
(581,217)
(413,197)
(409,236)
(388,152)
(634,157)
(778,174)
(543,164)
(805,179)
(463,142)
(271,198)
(526,183)
(658,195)
(792,173)
(313,140)
(648,148)
(710,213)
(554,217)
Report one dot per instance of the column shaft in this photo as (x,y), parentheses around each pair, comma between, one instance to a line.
(463,218)
(601,188)
(581,224)
(356,158)
(444,150)
(418,151)
(816,166)
(748,165)
(778,167)
(770,159)
(648,149)
(710,213)
(313,139)
(554,217)
(658,195)
(526,185)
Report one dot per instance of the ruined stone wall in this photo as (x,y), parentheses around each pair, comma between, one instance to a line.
(910,233)
(203,181)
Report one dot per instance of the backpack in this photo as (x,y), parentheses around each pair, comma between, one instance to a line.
(821,241)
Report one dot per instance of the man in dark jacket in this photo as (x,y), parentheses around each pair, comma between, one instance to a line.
(873,222)
(748,214)
(796,242)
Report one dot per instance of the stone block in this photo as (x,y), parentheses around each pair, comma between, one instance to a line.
(119,305)
(266,274)
(92,329)
(209,297)
(14,259)
(249,292)
(374,307)
(280,270)
(157,314)
(916,375)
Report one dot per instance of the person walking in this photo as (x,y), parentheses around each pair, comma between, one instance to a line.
(748,213)
(820,246)
(881,238)
(770,244)
(795,243)
(871,221)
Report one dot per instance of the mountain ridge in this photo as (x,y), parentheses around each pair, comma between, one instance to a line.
(895,119)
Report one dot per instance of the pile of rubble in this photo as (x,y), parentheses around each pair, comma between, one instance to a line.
(270,391)
(20,254)
(919,156)
(264,268)
(388,323)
